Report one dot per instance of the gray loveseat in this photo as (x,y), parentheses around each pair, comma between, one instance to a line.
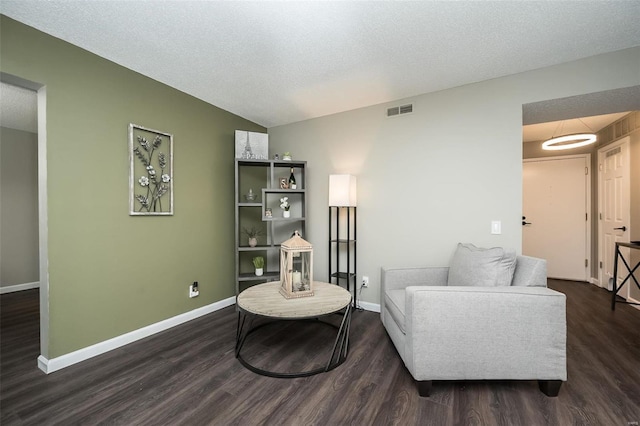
(464,331)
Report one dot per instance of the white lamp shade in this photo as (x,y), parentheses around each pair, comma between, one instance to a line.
(342,190)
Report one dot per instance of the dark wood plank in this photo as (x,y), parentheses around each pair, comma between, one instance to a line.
(189,375)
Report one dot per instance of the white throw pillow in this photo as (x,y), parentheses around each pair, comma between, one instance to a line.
(481,267)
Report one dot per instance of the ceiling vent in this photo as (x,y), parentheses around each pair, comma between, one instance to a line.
(399,110)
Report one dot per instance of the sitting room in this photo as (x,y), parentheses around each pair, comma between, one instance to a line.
(239,213)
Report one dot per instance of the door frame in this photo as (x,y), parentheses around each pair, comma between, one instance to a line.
(43,218)
(588,206)
(626,141)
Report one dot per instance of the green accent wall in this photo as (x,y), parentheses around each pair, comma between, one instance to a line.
(111,273)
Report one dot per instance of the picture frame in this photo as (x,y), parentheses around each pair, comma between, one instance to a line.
(251,145)
(150,172)
(284,183)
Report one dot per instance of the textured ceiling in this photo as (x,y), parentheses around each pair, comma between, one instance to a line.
(281,62)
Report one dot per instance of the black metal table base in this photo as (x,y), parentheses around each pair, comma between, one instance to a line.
(337,355)
(631,272)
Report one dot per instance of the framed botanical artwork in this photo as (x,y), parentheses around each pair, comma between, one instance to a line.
(252,145)
(150,172)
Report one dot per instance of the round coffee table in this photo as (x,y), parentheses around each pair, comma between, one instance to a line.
(265,300)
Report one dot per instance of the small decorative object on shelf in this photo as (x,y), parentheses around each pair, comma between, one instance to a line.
(267,212)
(276,157)
(258,263)
(292,180)
(250,196)
(252,233)
(284,205)
(296,268)
(286,156)
(284,184)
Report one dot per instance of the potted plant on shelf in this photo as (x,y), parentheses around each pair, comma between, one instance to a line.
(252,233)
(258,263)
(284,205)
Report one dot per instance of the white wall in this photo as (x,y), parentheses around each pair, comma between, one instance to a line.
(439,176)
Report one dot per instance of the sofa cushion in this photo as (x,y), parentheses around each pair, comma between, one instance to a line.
(394,301)
(481,267)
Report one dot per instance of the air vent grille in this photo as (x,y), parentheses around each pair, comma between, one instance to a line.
(406,109)
(399,110)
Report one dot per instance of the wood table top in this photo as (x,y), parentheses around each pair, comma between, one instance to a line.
(266,300)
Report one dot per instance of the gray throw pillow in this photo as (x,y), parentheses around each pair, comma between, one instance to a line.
(481,267)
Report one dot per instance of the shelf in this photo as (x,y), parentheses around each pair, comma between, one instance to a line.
(343,249)
(268,276)
(342,275)
(284,191)
(259,248)
(249,204)
(282,219)
(267,163)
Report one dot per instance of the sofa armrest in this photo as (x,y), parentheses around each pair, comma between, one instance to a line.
(485,333)
(399,278)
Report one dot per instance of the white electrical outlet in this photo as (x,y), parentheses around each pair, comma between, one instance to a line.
(365,281)
(193,290)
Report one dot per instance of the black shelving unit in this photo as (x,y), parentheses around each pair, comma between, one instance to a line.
(343,249)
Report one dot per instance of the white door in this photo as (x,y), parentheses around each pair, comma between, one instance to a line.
(555,205)
(614,207)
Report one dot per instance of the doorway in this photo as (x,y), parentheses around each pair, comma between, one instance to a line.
(42,206)
(556,223)
(614,208)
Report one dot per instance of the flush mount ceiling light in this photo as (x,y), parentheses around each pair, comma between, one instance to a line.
(569,141)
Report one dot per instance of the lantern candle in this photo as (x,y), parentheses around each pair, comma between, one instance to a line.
(297,278)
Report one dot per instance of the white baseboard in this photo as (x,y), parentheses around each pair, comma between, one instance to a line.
(367,306)
(19,287)
(55,364)
(595,281)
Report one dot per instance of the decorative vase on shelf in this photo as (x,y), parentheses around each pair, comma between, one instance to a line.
(253,242)
(259,272)
(286,213)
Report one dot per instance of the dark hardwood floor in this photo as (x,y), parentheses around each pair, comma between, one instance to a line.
(189,376)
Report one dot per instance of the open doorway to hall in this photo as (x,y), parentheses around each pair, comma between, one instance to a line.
(19,245)
(23,217)
(612,115)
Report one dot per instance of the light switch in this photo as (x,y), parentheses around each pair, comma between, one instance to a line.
(496,227)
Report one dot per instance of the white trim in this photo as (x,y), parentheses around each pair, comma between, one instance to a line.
(594,281)
(43,220)
(19,287)
(367,306)
(63,361)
